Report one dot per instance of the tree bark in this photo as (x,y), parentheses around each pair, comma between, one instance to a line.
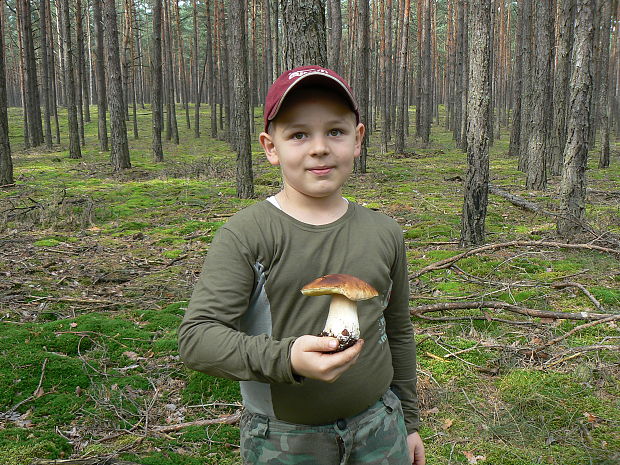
(6,162)
(102,124)
(573,185)
(401,97)
(242,136)
(79,68)
(304,41)
(362,81)
(74,134)
(427,70)
(119,153)
(479,96)
(31,86)
(526,83)
(45,77)
(334,37)
(465,76)
(566,14)
(538,136)
(605,10)
(156,78)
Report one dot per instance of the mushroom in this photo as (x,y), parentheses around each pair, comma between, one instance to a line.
(346,290)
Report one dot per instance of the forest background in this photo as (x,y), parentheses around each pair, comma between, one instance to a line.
(128,137)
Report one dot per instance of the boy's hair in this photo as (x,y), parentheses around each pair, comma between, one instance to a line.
(306,76)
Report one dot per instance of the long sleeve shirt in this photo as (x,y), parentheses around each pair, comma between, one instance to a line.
(247,310)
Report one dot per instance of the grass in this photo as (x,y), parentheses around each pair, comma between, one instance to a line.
(99,267)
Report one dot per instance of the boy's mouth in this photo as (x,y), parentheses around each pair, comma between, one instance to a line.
(321,170)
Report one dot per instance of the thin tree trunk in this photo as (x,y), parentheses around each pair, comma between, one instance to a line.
(458,72)
(538,137)
(565,14)
(573,185)
(43,5)
(32,103)
(52,69)
(156,78)
(304,33)
(74,134)
(238,41)
(6,162)
(465,77)
(400,90)
(526,84)
(79,68)
(479,96)
(119,154)
(427,82)
(362,60)
(197,88)
(211,71)
(183,73)
(334,38)
(603,161)
(101,79)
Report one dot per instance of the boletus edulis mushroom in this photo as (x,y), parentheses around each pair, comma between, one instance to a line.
(345,290)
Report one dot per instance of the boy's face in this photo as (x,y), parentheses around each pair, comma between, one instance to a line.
(314,140)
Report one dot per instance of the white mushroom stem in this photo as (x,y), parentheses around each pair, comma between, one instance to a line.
(342,316)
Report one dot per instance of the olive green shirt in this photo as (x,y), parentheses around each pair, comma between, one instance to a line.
(247,310)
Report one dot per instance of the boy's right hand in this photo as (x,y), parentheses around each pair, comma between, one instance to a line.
(313,357)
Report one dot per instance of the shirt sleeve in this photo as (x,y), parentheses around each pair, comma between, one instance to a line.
(401,340)
(210,338)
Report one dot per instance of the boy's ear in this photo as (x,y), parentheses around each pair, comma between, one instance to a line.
(360,130)
(266,141)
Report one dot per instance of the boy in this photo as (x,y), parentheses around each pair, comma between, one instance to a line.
(247,319)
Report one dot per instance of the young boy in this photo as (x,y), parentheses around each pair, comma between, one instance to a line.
(247,319)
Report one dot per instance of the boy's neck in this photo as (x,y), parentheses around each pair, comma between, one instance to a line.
(312,210)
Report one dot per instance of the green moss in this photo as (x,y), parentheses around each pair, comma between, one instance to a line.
(203,388)
(47,243)
(22,446)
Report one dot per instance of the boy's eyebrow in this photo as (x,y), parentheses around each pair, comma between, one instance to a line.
(329,122)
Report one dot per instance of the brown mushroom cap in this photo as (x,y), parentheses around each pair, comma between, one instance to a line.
(349,286)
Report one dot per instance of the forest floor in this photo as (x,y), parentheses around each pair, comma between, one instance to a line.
(97,268)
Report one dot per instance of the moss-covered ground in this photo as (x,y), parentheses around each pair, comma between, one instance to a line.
(97,268)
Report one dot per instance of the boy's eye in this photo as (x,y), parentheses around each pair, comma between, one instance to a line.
(335,132)
(299,135)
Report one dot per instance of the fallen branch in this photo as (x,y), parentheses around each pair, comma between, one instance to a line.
(416,311)
(36,394)
(574,330)
(519,201)
(89,461)
(225,419)
(447,262)
(593,299)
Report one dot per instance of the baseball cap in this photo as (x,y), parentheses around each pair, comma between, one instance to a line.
(302,76)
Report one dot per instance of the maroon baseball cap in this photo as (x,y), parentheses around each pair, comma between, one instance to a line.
(302,76)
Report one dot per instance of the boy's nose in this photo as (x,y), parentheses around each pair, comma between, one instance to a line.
(319,146)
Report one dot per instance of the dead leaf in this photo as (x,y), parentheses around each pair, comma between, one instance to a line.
(447,423)
(131,355)
(432,411)
(591,418)
(39,392)
(73,325)
(473,459)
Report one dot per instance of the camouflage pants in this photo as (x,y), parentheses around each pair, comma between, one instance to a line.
(376,436)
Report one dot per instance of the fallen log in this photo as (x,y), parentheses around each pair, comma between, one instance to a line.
(89,461)
(422,309)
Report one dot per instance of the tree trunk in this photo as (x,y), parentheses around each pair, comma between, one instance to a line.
(458,72)
(79,68)
(566,14)
(526,83)
(362,81)
(603,161)
(52,70)
(31,86)
(156,78)
(197,88)
(465,77)
(211,71)
(538,137)
(173,128)
(119,154)
(45,77)
(334,37)
(401,97)
(479,96)
(427,71)
(6,162)
(74,134)
(100,76)
(304,33)
(238,42)
(573,185)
